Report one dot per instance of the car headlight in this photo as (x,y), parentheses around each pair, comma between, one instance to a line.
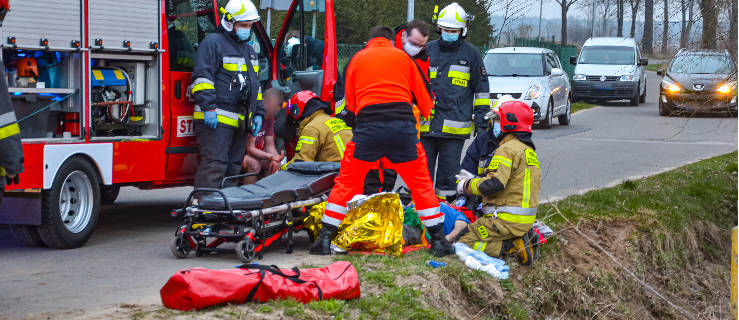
(724,89)
(533,92)
(628,77)
(670,85)
(579,77)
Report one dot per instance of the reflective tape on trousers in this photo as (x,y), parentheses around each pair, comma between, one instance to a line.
(512,210)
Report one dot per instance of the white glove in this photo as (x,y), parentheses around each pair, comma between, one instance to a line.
(462,177)
(460,186)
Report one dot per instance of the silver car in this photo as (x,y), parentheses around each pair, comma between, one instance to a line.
(534,76)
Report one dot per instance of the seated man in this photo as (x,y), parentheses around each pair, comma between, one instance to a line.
(321,137)
(261,154)
(509,188)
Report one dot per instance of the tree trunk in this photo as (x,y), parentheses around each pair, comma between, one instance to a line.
(564,22)
(665,26)
(683,24)
(648,37)
(634,12)
(733,30)
(620,18)
(710,19)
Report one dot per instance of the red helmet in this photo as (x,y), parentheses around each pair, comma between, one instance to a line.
(515,116)
(298,102)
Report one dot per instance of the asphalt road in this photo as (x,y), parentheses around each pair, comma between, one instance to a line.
(128,260)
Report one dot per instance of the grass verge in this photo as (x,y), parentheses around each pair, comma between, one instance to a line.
(654,67)
(581,105)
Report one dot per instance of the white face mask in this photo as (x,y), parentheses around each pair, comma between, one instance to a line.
(412,49)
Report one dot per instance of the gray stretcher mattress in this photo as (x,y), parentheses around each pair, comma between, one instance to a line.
(301,181)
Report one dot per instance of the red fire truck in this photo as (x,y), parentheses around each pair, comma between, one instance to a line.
(100,92)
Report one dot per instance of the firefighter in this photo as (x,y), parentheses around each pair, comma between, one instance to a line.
(11,153)
(509,189)
(412,39)
(459,81)
(227,94)
(381,83)
(321,137)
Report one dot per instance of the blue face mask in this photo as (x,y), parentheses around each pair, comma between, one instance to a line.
(496,129)
(243,34)
(449,37)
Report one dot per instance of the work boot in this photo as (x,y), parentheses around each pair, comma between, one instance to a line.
(439,245)
(322,245)
(521,247)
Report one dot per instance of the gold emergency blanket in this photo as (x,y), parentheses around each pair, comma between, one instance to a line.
(374,225)
(312,222)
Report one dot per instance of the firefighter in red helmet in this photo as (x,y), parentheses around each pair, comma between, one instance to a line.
(509,188)
(11,153)
(321,137)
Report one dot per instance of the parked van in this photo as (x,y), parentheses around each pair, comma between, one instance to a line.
(610,69)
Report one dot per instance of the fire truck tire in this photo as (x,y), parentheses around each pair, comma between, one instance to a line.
(26,235)
(108,194)
(70,209)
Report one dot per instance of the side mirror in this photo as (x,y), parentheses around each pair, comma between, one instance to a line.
(661,72)
(573,60)
(643,62)
(556,72)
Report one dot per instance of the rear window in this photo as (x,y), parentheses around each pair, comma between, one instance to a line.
(514,64)
(608,55)
(701,63)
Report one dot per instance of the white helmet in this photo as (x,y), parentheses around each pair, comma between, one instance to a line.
(494,108)
(238,10)
(453,16)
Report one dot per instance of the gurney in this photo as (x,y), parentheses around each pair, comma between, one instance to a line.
(253,216)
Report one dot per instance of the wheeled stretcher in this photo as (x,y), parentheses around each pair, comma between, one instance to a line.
(253,216)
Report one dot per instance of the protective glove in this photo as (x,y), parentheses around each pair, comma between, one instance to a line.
(462,178)
(461,201)
(211,119)
(256,124)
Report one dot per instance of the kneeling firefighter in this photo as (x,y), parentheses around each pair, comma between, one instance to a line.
(321,137)
(509,188)
(227,94)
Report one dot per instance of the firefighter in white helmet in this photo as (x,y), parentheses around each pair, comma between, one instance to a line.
(227,94)
(459,81)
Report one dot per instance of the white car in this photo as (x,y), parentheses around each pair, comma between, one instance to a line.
(534,76)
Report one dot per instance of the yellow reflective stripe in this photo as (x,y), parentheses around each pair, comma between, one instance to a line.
(526,189)
(307,139)
(503,160)
(458,75)
(481,102)
(202,86)
(339,145)
(452,130)
(259,96)
(256,69)
(2,172)
(473,186)
(9,130)
(516,218)
(432,74)
(234,67)
(425,128)
(199,115)
(136,119)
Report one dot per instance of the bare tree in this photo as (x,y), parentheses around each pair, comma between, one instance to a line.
(511,10)
(688,19)
(565,5)
(709,11)
(648,37)
(607,10)
(665,25)
(620,18)
(733,29)
(634,5)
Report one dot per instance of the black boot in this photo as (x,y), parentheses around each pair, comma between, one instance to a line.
(322,245)
(439,245)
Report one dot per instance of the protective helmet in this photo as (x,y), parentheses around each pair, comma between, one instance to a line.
(492,114)
(515,116)
(298,102)
(236,11)
(453,16)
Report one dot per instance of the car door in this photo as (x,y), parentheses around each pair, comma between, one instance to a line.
(564,81)
(554,83)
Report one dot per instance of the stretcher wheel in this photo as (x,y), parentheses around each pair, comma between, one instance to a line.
(245,250)
(180,246)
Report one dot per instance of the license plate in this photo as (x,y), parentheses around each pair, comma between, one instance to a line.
(602,86)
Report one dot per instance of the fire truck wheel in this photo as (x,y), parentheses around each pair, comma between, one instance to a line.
(245,250)
(70,209)
(108,194)
(26,235)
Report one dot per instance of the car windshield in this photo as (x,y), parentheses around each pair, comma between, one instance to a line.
(607,55)
(514,64)
(701,63)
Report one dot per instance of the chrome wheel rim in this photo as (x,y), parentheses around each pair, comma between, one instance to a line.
(75,201)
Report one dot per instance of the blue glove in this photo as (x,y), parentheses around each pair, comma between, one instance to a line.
(211,119)
(256,125)
(461,201)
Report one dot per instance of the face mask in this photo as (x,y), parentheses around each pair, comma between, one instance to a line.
(496,129)
(243,34)
(449,37)
(411,49)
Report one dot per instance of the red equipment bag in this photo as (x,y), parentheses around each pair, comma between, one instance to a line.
(199,288)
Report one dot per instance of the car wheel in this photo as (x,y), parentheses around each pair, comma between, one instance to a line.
(564,120)
(26,235)
(663,110)
(108,194)
(547,122)
(635,98)
(70,209)
(643,96)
